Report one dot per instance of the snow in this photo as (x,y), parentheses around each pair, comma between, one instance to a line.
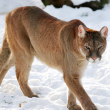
(47,82)
(9,5)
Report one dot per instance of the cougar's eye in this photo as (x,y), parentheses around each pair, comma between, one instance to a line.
(99,47)
(86,47)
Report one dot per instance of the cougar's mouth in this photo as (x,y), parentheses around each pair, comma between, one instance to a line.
(93,59)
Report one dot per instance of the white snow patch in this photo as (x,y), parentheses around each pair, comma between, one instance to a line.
(8,5)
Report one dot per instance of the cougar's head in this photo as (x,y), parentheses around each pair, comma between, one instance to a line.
(92,44)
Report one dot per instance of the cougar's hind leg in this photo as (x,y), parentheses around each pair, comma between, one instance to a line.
(9,64)
(20,46)
(23,63)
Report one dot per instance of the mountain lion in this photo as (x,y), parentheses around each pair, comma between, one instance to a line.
(66,46)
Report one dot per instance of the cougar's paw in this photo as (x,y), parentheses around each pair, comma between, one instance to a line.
(35,96)
(93,107)
(75,107)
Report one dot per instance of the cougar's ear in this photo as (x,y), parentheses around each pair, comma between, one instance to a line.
(81,31)
(104,32)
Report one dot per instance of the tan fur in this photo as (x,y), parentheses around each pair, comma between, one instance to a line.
(30,32)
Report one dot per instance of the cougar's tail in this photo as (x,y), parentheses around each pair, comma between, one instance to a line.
(4,53)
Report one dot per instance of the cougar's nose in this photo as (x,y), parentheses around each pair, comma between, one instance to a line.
(94,58)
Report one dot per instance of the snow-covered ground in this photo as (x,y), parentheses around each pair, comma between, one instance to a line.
(9,5)
(48,83)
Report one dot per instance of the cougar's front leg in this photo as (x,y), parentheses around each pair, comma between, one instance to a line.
(71,104)
(73,83)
